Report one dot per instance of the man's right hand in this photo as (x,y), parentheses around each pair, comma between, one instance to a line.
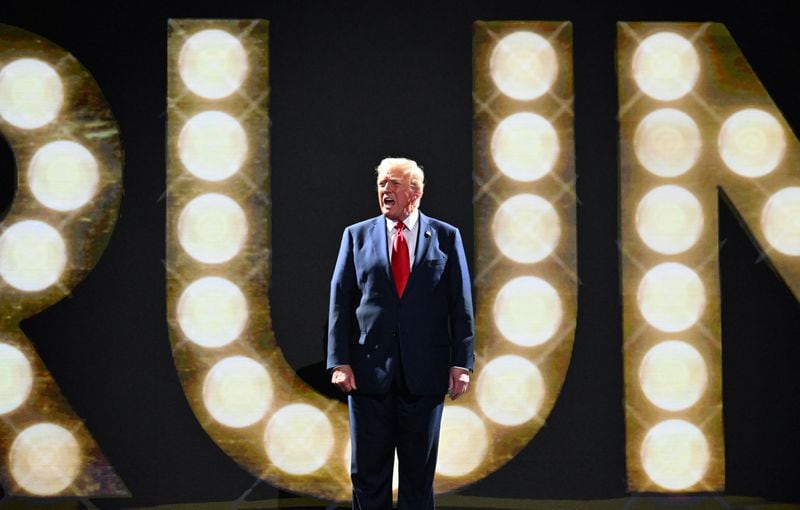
(343,378)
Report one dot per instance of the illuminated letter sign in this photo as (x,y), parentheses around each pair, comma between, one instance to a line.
(240,387)
(525,260)
(693,119)
(245,395)
(66,144)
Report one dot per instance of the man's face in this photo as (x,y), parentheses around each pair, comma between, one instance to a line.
(395,196)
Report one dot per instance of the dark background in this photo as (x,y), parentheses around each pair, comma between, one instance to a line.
(352,82)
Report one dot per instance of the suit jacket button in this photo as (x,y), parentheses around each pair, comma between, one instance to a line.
(376,347)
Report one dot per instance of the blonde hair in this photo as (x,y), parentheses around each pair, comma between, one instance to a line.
(409,167)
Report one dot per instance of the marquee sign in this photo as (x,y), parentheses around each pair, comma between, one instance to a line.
(693,120)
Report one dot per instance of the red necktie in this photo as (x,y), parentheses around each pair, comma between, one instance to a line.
(401,267)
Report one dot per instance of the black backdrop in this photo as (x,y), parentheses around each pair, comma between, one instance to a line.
(352,82)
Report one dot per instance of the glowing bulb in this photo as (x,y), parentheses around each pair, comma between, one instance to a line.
(463,442)
(780,221)
(525,146)
(669,219)
(212,228)
(299,439)
(212,312)
(527,311)
(523,65)
(673,375)
(666,66)
(237,391)
(63,175)
(526,228)
(45,459)
(212,63)
(212,145)
(16,378)
(675,454)
(752,143)
(32,255)
(510,390)
(671,297)
(31,93)
(667,142)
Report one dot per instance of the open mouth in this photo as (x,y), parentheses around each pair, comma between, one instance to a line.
(388,201)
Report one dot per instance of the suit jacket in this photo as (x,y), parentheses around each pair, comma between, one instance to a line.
(430,329)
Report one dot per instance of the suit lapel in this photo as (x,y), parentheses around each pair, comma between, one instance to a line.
(423,238)
(424,235)
(380,244)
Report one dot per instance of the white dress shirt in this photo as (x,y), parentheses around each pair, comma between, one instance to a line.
(411,233)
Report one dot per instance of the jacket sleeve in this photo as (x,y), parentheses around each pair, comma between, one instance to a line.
(341,313)
(462,323)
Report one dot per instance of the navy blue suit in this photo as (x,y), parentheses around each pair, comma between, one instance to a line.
(401,351)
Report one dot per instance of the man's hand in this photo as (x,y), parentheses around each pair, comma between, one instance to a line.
(459,382)
(344,379)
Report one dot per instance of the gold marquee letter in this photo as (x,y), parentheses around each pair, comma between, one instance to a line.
(694,118)
(69,165)
(525,264)
(241,389)
(245,395)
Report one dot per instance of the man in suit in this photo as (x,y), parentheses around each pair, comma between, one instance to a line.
(400,337)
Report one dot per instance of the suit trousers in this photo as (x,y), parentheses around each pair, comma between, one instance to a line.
(379,424)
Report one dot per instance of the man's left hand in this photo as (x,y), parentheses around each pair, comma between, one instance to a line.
(459,382)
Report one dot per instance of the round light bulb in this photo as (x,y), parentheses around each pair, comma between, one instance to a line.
(212,312)
(669,219)
(33,255)
(237,391)
(526,228)
(16,378)
(463,442)
(671,297)
(673,375)
(45,459)
(523,65)
(31,93)
(212,228)
(666,66)
(667,142)
(525,146)
(212,145)
(63,175)
(299,439)
(752,143)
(212,63)
(675,454)
(510,390)
(780,220)
(527,311)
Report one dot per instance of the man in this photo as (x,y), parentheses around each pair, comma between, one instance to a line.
(401,335)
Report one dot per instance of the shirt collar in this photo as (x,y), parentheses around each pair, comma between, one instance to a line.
(410,222)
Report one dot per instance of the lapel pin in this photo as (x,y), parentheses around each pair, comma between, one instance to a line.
(427,233)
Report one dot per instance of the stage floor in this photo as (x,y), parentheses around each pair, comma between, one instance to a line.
(447,502)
